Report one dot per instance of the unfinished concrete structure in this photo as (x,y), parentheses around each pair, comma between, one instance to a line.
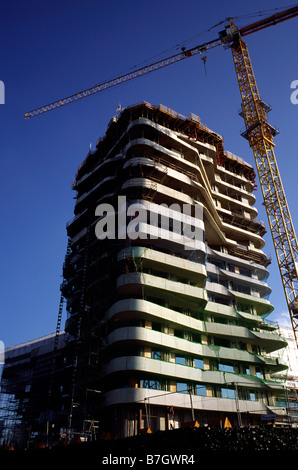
(165,333)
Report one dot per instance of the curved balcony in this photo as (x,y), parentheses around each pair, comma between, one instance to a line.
(180,400)
(94,192)
(234,189)
(263,307)
(233,204)
(231,177)
(276,364)
(269,341)
(142,309)
(251,317)
(162,288)
(223,310)
(172,239)
(240,232)
(169,138)
(259,270)
(154,339)
(146,365)
(182,373)
(215,288)
(169,212)
(260,286)
(248,253)
(165,193)
(173,344)
(172,175)
(187,160)
(227,277)
(181,267)
(78,222)
(99,168)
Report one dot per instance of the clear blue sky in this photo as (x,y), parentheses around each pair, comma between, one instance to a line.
(51,49)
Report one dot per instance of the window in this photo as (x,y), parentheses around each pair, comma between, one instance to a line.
(182,387)
(242,271)
(152,384)
(243,394)
(188,361)
(281,402)
(196,338)
(226,367)
(221,300)
(228,393)
(155,354)
(252,395)
(241,288)
(246,308)
(187,335)
(156,326)
(225,343)
(180,360)
(216,262)
(179,333)
(199,363)
(201,390)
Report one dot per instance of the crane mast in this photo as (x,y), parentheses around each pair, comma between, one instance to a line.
(259,134)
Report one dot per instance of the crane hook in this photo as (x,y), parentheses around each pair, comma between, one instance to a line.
(204,61)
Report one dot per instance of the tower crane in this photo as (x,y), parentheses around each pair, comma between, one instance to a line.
(258,132)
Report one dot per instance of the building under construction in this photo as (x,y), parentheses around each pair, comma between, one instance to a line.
(166,313)
(167,330)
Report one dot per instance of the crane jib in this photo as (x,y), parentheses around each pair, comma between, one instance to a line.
(272,20)
(124,78)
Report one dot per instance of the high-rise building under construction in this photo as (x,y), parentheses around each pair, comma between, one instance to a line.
(165,281)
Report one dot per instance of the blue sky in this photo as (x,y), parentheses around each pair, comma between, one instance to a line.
(52,49)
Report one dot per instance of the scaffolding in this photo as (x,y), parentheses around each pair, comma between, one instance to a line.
(10,418)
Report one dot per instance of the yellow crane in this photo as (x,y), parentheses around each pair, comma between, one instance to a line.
(258,132)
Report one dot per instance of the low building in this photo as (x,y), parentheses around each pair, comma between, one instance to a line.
(35,388)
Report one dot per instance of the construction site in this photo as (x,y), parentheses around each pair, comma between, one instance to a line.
(167,344)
